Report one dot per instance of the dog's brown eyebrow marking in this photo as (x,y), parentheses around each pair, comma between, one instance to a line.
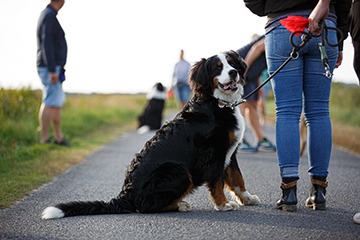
(218,63)
(216,82)
(229,59)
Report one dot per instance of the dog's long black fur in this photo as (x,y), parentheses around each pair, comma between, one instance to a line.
(187,152)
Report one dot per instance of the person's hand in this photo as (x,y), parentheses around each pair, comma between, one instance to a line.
(245,73)
(54,77)
(339,59)
(319,13)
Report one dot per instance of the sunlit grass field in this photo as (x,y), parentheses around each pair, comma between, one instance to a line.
(88,122)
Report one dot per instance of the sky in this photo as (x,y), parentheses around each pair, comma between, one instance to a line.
(127,46)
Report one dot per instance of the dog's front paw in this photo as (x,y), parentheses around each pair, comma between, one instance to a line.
(235,205)
(227,207)
(183,206)
(248,199)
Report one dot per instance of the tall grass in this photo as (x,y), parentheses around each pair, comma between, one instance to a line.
(18,119)
(82,114)
(88,121)
(344,104)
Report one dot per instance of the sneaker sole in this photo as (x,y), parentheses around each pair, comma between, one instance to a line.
(247,151)
(266,150)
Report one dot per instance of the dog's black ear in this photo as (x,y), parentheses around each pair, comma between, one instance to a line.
(239,62)
(198,76)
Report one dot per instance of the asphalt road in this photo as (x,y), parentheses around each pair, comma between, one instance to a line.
(100,176)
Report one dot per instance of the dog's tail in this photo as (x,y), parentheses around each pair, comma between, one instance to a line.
(83,208)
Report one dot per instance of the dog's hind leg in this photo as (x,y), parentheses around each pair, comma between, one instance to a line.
(165,189)
(236,184)
(218,197)
(177,205)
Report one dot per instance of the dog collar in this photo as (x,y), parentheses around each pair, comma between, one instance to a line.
(232,105)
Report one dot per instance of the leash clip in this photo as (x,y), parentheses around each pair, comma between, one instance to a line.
(327,73)
(324,60)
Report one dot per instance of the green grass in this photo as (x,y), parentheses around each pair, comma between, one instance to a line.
(344,105)
(88,122)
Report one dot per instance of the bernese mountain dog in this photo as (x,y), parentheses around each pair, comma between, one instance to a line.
(198,147)
(151,117)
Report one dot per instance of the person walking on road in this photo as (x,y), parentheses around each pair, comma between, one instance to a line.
(180,80)
(51,59)
(254,56)
(302,81)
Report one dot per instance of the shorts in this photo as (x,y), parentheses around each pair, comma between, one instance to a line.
(248,88)
(53,94)
(183,92)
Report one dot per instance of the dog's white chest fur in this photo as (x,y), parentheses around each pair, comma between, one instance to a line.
(239,133)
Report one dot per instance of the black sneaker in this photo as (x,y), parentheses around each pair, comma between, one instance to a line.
(266,145)
(63,143)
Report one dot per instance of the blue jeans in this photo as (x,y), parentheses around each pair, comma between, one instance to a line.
(301,85)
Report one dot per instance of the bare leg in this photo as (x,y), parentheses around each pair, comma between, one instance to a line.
(45,115)
(303,134)
(249,110)
(182,104)
(261,107)
(56,120)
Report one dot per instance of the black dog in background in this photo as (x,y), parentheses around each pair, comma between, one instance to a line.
(151,117)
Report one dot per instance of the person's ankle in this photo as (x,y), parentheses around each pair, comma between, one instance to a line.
(45,140)
(59,138)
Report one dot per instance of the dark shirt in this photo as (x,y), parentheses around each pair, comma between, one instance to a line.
(259,64)
(355,21)
(51,42)
(275,9)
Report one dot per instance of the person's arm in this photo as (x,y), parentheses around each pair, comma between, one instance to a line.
(256,6)
(173,78)
(319,13)
(48,43)
(48,47)
(342,9)
(255,51)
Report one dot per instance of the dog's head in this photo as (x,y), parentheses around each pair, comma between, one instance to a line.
(221,76)
(158,91)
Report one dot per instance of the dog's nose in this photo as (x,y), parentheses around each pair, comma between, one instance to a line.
(232,73)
